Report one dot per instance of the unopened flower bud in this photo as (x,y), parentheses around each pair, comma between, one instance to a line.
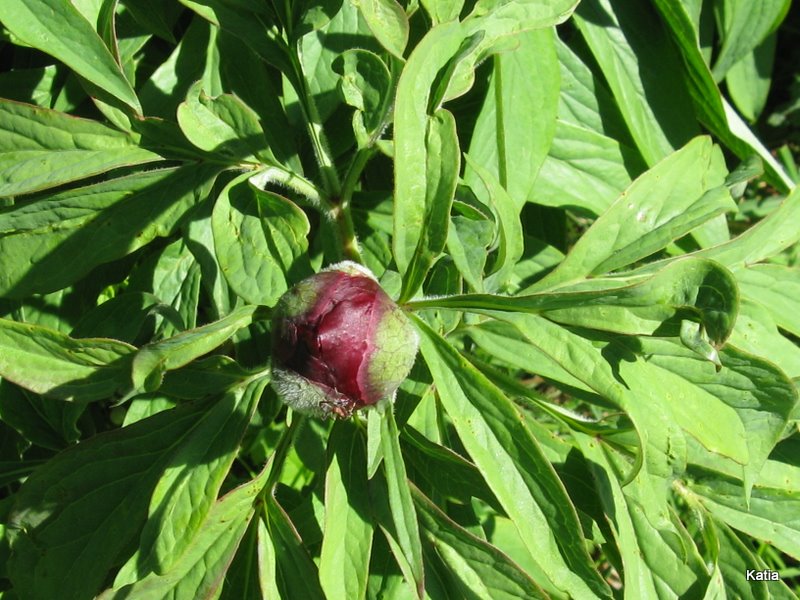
(339,343)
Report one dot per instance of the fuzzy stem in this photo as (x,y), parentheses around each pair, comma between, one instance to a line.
(353,174)
(343,222)
(276,174)
(327,168)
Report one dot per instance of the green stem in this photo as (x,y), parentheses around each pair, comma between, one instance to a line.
(276,174)
(341,213)
(353,174)
(327,168)
(343,222)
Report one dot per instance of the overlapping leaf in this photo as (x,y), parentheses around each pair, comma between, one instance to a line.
(42,149)
(53,241)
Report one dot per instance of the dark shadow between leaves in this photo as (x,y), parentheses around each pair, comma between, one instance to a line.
(668,97)
(114,232)
(104,486)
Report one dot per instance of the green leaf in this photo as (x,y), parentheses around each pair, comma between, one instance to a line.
(702,290)
(598,368)
(58,29)
(749,80)
(683,191)
(401,505)
(267,570)
(479,569)
(643,71)
(52,363)
(103,487)
(174,275)
(388,22)
(153,360)
(513,465)
(42,148)
(728,419)
(584,170)
(642,528)
(510,242)
(411,126)
(347,541)
(188,489)
(260,240)
(318,52)
(201,569)
(224,126)
(743,26)
(736,558)
(55,240)
(709,105)
(442,165)
(501,18)
(777,287)
(511,138)
(298,573)
(753,396)
(586,102)
(443,10)
(757,333)
(467,243)
(770,514)
(366,85)
(765,239)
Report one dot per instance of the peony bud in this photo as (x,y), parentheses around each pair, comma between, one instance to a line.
(339,343)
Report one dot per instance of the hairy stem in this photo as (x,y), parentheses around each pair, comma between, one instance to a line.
(327,168)
(343,221)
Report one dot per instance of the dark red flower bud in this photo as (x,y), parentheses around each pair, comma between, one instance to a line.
(339,343)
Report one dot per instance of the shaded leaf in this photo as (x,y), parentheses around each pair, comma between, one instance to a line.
(103,488)
(53,241)
(347,541)
(51,363)
(57,28)
(479,569)
(644,72)
(200,571)
(512,464)
(186,492)
(42,148)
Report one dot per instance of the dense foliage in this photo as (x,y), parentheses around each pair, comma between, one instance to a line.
(587,209)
